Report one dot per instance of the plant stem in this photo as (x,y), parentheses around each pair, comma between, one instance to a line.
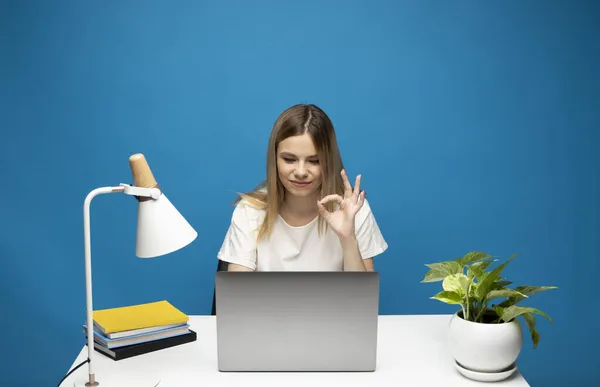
(468,302)
(481,311)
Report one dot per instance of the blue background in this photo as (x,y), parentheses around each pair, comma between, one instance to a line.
(474,124)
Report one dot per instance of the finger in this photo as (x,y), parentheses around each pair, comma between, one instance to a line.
(331,198)
(322,210)
(347,186)
(361,201)
(357,187)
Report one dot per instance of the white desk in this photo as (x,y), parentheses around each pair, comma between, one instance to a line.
(411,352)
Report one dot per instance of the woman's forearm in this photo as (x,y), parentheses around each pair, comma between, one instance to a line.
(353,260)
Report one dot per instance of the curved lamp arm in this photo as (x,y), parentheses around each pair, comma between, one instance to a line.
(145,187)
(124,188)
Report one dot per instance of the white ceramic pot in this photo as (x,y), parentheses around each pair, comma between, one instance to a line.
(484,347)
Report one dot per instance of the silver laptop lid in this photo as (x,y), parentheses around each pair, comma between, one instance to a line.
(297,321)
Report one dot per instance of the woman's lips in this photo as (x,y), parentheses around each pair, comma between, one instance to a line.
(300,184)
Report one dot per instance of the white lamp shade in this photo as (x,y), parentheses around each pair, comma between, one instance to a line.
(161,229)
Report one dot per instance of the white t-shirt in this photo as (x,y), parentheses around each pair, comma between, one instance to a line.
(294,248)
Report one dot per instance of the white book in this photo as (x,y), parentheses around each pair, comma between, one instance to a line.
(139,338)
(118,335)
(140,331)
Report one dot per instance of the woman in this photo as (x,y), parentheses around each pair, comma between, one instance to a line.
(305,216)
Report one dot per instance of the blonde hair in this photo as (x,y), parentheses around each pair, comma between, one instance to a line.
(295,121)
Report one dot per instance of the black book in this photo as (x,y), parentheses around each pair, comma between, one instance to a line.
(121,353)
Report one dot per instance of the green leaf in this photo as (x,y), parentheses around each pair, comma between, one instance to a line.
(458,283)
(529,290)
(501,293)
(499,310)
(535,336)
(441,270)
(486,284)
(473,257)
(500,285)
(478,268)
(526,291)
(452,298)
(513,311)
(473,289)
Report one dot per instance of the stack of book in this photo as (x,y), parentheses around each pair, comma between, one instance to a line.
(129,331)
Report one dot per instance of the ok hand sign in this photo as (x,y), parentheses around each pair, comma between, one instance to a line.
(342,220)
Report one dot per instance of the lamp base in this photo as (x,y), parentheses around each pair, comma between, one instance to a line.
(133,380)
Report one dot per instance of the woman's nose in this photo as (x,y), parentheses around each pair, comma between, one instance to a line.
(301,169)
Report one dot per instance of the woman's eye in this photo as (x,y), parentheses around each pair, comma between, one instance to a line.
(289,161)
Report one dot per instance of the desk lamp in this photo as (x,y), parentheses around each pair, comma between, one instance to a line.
(161,229)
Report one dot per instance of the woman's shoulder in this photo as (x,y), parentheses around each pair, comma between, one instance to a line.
(250,204)
(248,208)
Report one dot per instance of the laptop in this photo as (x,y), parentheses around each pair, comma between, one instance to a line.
(297,321)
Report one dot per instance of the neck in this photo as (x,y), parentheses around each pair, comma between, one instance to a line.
(300,206)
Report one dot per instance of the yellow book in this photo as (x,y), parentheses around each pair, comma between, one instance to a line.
(138,316)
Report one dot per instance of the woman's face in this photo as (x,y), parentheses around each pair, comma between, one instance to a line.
(298,165)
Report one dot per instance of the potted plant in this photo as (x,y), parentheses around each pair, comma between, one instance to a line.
(485,337)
